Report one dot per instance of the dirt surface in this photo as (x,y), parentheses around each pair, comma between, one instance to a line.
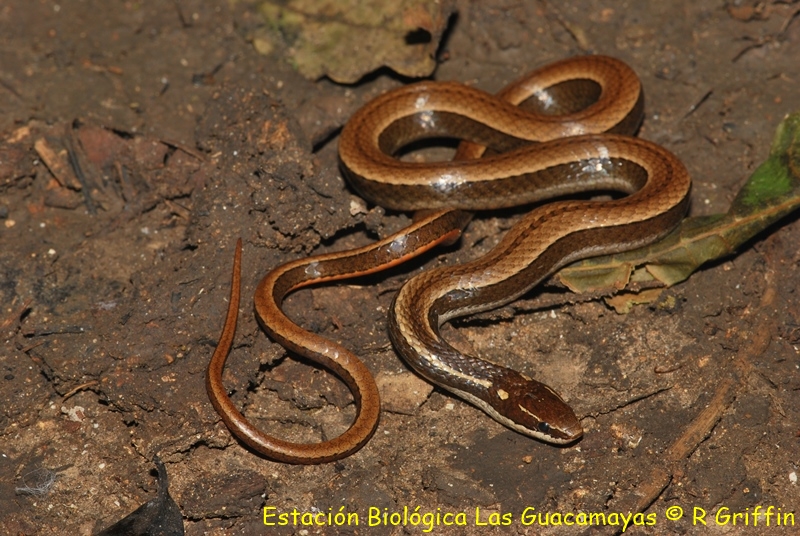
(114,289)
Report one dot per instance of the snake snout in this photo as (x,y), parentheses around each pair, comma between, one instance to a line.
(538,411)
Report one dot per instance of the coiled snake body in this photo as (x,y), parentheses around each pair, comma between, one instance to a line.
(574,140)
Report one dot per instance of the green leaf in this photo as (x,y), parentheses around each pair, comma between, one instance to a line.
(772,192)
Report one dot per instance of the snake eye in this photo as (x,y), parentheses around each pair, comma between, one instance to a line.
(544,427)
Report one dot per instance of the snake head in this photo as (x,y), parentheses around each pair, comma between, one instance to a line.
(532,408)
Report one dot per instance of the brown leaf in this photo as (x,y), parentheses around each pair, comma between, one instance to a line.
(348,39)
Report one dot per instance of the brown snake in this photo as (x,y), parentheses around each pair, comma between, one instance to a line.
(561,146)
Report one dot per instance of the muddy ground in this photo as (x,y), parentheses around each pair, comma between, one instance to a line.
(114,290)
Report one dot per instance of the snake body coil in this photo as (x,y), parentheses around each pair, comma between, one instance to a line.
(558,131)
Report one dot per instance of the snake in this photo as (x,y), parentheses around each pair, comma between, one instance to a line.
(554,135)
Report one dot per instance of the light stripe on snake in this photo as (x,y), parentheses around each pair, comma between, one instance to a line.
(572,141)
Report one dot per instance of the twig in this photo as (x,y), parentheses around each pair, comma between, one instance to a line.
(80,388)
(17,314)
(701,427)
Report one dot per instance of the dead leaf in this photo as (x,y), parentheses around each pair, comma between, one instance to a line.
(771,193)
(348,39)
